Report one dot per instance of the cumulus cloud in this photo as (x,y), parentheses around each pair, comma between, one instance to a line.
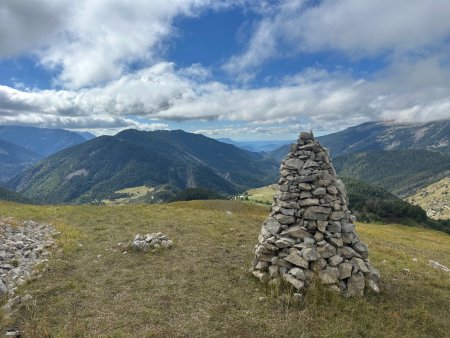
(91,42)
(322,99)
(353,27)
(91,45)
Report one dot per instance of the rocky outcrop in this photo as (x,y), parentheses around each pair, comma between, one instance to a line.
(310,233)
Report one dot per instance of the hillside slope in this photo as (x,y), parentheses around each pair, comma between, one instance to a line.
(42,141)
(201,287)
(99,167)
(8,195)
(14,159)
(382,136)
(434,198)
(398,171)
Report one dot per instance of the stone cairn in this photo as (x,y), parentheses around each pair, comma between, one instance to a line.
(309,233)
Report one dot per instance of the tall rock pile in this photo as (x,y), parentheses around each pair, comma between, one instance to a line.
(310,231)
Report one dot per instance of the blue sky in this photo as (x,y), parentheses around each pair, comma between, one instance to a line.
(243,69)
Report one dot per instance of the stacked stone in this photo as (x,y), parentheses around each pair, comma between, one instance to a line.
(309,233)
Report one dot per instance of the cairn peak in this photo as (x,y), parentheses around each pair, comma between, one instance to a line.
(310,232)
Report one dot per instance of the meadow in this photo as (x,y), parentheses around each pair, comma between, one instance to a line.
(202,288)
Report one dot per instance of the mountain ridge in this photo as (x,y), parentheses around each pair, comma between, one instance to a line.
(43,141)
(99,167)
(368,136)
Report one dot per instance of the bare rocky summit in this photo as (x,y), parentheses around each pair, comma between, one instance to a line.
(310,232)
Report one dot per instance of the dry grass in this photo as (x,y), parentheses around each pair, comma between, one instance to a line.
(435,199)
(201,287)
(263,194)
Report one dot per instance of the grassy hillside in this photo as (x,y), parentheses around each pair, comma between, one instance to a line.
(398,171)
(263,194)
(201,287)
(98,168)
(435,199)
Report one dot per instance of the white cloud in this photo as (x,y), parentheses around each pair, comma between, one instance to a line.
(320,99)
(91,42)
(354,27)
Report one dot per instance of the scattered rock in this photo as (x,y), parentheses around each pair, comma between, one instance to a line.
(22,247)
(438,266)
(150,241)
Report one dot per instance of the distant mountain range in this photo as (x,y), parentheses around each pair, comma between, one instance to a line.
(99,167)
(382,136)
(399,158)
(42,141)
(15,159)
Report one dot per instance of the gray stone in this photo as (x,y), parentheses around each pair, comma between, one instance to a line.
(317,213)
(335,260)
(360,265)
(310,254)
(374,274)
(294,281)
(347,238)
(332,190)
(296,232)
(372,286)
(297,260)
(361,248)
(285,242)
(355,285)
(327,251)
(310,164)
(294,163)
(309,202)
(337,215)
(345,270)
(284,219)
(336,241)
(322,225)
(298,273)
(273,271)
(329,276)
(348,252)
(347,227)
(318,265)
(334,227)
(305,194)
(140,245)
(272,226)
(319,191)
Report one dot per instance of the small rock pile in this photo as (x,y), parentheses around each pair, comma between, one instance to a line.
(151,241)
(310,231)
(21,248)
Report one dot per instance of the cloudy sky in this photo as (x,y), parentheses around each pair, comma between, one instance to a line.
(245,69)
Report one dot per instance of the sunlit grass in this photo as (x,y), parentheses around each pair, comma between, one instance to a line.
(201,287)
